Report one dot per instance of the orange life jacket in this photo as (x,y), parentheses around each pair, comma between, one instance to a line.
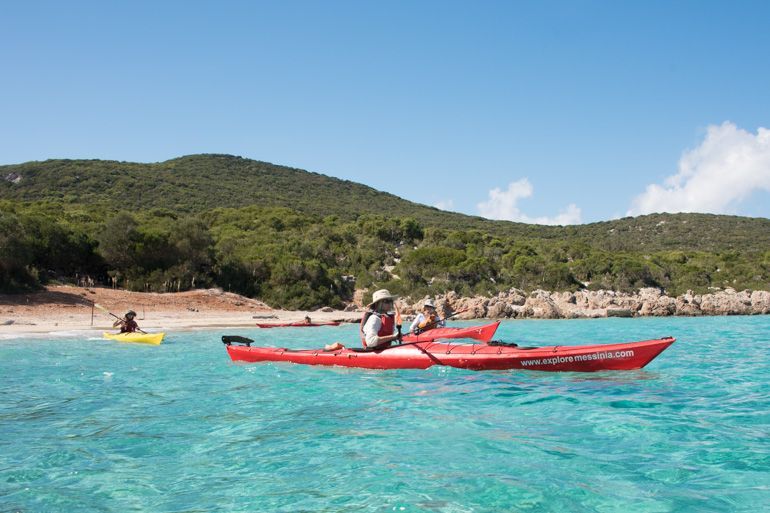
(430,322)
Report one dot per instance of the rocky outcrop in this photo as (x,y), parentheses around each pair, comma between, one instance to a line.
(760,302)
(655,303)
(647,302)
(727,302)
(688,304)
(541,305)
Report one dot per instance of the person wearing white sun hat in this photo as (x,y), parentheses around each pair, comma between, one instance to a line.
(378,323)
(427,319)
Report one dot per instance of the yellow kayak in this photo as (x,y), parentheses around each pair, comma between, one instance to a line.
(141,338)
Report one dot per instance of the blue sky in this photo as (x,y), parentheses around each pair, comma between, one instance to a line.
(543,111)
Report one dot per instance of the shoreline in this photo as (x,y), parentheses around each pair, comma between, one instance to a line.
(64,308)
(60,309)
(161,321)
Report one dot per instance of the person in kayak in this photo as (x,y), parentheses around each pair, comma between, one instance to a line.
(127,324)
(307,320)
(427,319)
(378,323)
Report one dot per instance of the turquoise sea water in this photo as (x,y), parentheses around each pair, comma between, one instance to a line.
(93,425)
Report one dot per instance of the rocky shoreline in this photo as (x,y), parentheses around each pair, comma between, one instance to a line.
(648,302)
(67,308)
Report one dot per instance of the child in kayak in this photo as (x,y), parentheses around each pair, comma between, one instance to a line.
(378,323)
(127,324)
(427,319)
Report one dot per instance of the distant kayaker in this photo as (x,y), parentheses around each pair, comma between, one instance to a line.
(378,324)
(127,324)
(427,319)
(307,320)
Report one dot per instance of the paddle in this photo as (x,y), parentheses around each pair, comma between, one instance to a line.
(398,321)
(236,339)
(100,307)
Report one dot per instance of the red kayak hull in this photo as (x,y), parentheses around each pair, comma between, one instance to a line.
(421,355)
(296,324)
(482,333)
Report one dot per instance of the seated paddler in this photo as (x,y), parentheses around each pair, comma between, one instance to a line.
(378,325)
(127,324)
(427,319)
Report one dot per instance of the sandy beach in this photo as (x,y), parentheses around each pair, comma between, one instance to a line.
(64,308)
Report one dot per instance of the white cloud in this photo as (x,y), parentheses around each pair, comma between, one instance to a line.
(502,205)
(445,204)
(715,177)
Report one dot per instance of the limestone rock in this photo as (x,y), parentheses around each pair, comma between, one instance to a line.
(499,310)
(540,305)
(726,302)
(543,304)
(688,305)
(760,302)
(655,303)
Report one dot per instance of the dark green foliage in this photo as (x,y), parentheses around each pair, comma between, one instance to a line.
(303,240)
(37,247)
(16,252)
(119,241)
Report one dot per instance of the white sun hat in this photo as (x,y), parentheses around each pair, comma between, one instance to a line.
(380,295)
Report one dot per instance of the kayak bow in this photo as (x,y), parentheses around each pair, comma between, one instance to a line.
(483,333)
(421,355)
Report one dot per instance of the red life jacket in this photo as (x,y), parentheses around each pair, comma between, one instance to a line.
(388,324)
(129,326)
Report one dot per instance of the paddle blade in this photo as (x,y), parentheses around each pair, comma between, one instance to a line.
(236,339)
(100,307)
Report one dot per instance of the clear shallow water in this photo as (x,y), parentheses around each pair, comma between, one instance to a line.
(93,425)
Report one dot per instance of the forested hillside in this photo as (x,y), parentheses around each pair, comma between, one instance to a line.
(299,240)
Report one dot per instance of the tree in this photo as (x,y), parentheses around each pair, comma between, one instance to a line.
(15,256)
(118,241)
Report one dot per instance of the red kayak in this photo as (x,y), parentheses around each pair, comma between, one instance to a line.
(297,324)
(421,355)
(482,333)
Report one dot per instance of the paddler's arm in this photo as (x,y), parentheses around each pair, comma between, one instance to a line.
(371,328)
(416,323)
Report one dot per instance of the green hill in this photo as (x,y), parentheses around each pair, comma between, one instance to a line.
(198,183)
(299,238)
